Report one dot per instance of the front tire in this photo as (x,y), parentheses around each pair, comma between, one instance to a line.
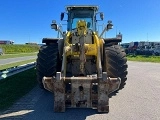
(46,62)
(116,63)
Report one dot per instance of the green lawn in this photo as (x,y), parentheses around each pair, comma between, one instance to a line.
(5,56)
(16,64)
(143,58)
(16,86)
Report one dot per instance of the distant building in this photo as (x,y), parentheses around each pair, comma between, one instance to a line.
(31,43)
(6,42)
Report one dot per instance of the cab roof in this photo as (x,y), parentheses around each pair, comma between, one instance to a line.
(79,7)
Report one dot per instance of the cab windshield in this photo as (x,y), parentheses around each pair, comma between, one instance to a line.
(88,22)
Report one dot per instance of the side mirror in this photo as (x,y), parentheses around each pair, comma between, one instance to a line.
(62,16)
(109,25)
(101,16)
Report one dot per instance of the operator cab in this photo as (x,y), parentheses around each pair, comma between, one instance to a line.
(86,13)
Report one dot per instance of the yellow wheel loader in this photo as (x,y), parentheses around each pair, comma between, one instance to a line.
(81,68)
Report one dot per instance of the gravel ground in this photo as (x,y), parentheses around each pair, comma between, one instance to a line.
(139,100)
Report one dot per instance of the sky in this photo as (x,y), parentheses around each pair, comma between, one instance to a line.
(29,20)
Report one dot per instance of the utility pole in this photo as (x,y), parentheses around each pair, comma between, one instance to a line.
(116,30)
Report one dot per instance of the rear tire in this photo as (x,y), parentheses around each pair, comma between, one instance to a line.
(116,63)
(46,62)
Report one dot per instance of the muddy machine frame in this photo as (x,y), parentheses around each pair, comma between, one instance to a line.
(82,89)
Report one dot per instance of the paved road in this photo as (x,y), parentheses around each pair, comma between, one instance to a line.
(17,59)
(139,100)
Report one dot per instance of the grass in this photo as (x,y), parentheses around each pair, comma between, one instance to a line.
(17,48)
(6,66)
(144,58)
(16,86)
(5,56)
